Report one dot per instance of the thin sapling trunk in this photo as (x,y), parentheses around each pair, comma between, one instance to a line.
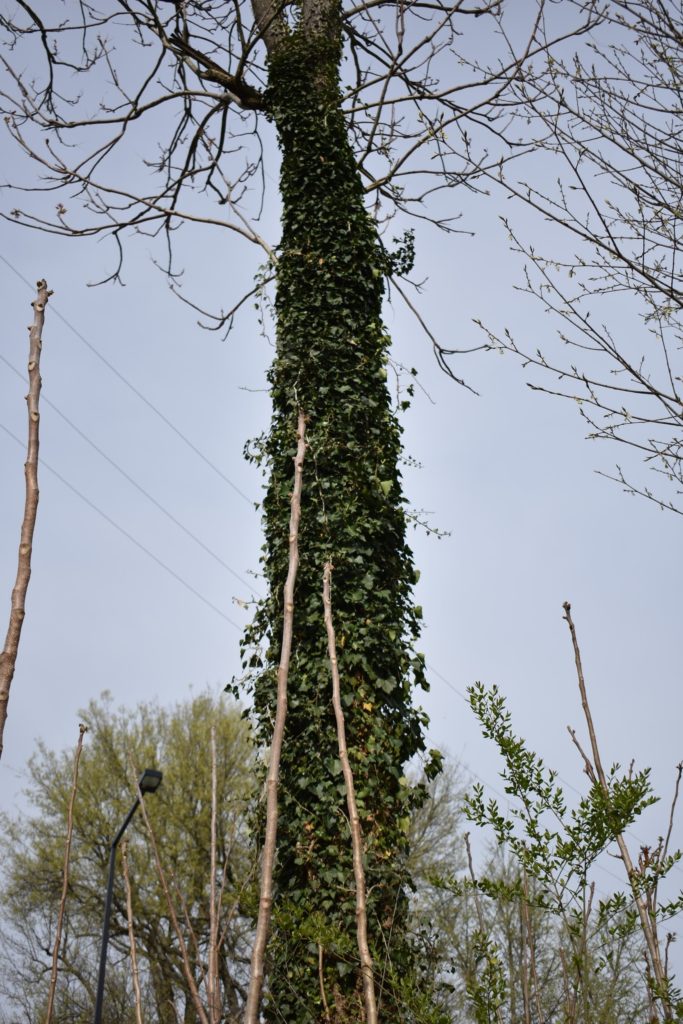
(8,658)
(213,981)
(65,877)
(367,971)
(256,975)
(131,936)
(597,775)
(182,945)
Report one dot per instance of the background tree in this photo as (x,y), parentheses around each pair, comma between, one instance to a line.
(409,115)
(608,118)
(178,740)
(554,848)
(444,922)
(498,948)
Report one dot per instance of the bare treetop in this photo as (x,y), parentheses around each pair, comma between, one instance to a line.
(79,93)
(610,118)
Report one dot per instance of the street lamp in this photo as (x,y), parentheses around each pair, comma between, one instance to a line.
(149,782)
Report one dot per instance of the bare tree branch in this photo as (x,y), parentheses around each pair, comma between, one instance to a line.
(608,117)
(647,921)
(82,729)
(424,114)
(367,970)
(185,959)
(131,934)
(251,1014)
(8,658)
(212,976)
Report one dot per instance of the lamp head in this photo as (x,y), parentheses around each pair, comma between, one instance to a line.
(150,780)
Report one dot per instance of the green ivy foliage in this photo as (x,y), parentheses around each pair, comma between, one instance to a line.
(331,361)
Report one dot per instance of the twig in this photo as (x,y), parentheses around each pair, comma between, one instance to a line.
(587,766)
(523,966)
(8,658)
(672,810)
(354,820)
(664,847)
(648,925)
(193,942)
(440,352)
(531,942)
(475,888)
(251,1014)
(82,729)
(131,934)
(569,997)
(321,982)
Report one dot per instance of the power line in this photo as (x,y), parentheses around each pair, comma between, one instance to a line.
(136,391)
(128,536)
(157,504)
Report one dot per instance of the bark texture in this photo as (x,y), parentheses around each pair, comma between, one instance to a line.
(8,658)
(352,806)
(251,1015)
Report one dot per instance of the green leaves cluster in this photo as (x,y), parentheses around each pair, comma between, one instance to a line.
(552,843)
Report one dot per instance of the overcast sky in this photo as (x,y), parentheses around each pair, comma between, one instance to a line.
(122,598)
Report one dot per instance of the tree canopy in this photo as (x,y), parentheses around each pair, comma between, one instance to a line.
(120,742)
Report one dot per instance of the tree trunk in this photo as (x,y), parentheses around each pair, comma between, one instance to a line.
(8,658)
(331,360)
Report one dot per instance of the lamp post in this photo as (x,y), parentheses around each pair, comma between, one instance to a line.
(149,782)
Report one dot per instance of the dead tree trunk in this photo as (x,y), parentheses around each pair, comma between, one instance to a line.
(367,970)
(251,1015)
(8,658)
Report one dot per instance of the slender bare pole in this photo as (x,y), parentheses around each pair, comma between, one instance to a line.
(531,943)
(212,979)
(596,773)
(367,970)
(65,876)
(131,935)
(321,982)
(251,1014)
(8,658)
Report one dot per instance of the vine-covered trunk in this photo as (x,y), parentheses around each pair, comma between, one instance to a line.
(331,362)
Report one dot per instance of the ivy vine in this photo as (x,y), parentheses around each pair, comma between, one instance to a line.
(331,361)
